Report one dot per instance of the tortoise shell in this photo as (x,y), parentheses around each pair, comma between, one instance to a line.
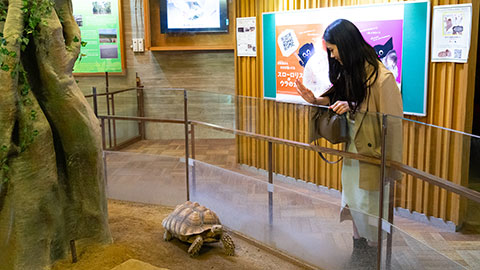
(190,219)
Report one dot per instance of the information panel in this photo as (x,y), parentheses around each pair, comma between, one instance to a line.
(100,31)
(293,48)
(246,36)
(451,30)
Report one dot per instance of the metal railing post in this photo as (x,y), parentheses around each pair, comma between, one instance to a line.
(185,114)
(270,183)
(106,80)
(107,99)
(105,172)
(114,126)
(102,124)
(95,103)
(192,138)
(391,197)
(140,107)
(382,186)
(141,112)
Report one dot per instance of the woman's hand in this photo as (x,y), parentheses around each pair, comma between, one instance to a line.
(305,93)
(340,107)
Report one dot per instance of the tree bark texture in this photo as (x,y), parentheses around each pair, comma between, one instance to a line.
(52,188)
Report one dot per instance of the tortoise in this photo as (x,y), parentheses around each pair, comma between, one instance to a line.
(193,223)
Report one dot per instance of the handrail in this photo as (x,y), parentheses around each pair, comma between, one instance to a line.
(266,138)
(437,181)
(115,92)
(289,102)
(305,146)
(432,179)
(131,89)
(137,118)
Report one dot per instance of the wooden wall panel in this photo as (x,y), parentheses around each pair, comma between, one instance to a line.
(450,104)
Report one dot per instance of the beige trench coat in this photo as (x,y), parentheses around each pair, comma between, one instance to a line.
(384,97)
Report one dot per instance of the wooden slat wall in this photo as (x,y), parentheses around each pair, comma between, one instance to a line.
(450,104)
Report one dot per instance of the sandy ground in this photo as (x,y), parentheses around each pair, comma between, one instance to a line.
(138,233)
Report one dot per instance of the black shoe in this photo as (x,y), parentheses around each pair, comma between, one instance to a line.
(360,243)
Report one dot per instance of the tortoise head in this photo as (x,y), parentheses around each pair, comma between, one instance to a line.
(216,231)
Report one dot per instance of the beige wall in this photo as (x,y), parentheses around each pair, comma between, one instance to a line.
(211,71)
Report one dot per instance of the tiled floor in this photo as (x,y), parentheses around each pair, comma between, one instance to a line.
(312,211)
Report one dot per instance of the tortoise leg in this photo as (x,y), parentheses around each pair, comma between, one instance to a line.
(167,236)
(195,246)
(228,244)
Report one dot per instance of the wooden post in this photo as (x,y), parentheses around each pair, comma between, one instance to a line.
(73,250)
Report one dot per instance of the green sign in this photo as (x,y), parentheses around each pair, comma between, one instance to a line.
(100,28)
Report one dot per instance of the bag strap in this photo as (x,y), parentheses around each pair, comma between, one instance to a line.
(323,157)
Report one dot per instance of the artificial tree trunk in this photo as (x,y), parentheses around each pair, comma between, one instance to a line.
(51,170)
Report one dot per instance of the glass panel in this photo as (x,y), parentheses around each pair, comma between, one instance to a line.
(101,103)
(124,104)
(300,220)
(407,252)
(213,147)
(229,173)
(444,220)
(145,178)
(256,115)
(164,104)
(121,102)
(212,108)
(474,164)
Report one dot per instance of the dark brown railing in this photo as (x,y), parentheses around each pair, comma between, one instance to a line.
(110,107)
(432,179)
(189,130)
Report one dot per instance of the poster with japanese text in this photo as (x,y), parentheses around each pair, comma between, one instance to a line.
(294,48)
(301,53)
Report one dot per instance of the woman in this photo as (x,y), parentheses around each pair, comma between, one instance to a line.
(361,87)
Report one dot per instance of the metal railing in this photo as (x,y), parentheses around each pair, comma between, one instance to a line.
(110,108)
(382,161)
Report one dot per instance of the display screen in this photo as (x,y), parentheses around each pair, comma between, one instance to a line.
(193,16)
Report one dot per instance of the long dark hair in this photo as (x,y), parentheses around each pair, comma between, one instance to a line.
(350,79)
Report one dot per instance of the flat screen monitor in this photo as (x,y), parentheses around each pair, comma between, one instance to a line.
(193,16)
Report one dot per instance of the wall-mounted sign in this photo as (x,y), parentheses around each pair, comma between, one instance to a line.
(247,36)
(451,31)
(100,28)
(293,48)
